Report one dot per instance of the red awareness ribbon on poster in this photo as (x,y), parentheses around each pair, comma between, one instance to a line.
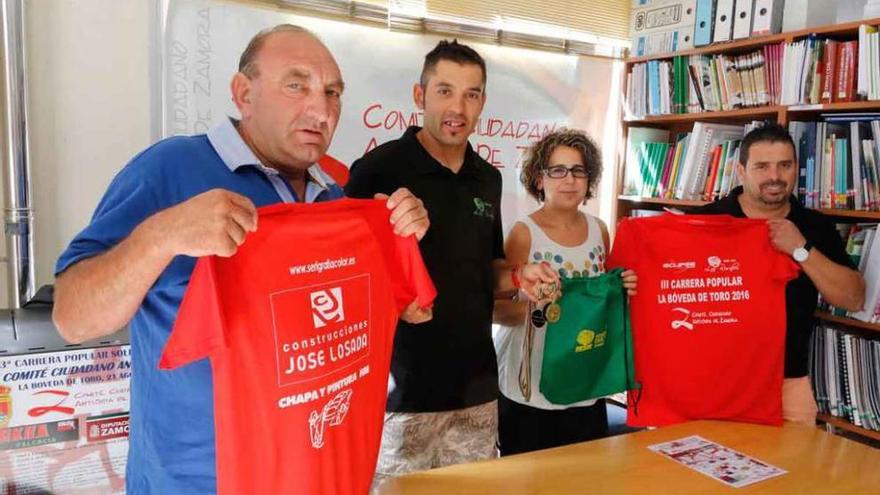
(57,407)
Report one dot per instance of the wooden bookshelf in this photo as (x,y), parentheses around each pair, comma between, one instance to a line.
(846,425)
(847,106)
(661,201)
(783,114)
(868,216)
(754,113)
(735,46)
(832,30)
(626,204)
(779,113)
(850,322)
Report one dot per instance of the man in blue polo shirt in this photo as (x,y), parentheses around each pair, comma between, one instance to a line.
(186,197)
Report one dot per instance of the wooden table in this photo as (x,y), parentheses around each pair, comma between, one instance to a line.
(817,463)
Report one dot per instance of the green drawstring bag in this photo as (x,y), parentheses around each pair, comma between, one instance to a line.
(588,343)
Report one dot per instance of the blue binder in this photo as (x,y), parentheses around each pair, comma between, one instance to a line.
(703,24)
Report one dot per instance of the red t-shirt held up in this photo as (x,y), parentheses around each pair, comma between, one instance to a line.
(299,327)
(708,320)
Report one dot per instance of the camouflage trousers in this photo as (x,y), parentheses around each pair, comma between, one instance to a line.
(420,441)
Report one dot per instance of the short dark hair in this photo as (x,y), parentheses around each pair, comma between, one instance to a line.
(770,132)
(538,159)
(247,64)
(454,52)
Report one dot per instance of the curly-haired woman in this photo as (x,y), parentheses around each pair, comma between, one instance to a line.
(561,171)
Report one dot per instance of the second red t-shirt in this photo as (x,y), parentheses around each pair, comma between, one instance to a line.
(708,320)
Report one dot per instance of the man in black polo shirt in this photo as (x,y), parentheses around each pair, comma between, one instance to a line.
(441,403)
(768,172)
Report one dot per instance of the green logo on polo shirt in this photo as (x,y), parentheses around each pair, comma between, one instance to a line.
(483,208)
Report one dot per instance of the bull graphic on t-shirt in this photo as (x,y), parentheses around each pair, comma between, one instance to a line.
(333,414)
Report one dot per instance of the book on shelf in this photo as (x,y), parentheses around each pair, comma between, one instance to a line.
(868,86)
(699,165)
(822,70)
(816,69)
(633,177)
(701,83)
(863,248)
(845,372)
(838,159)
(845,405)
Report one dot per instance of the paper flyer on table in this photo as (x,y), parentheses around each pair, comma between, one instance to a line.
(717,461)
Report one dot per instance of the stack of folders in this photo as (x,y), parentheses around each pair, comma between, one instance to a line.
(666,26)
(696,166)
(702,83)
(839,161)
(846,376)
(863,247)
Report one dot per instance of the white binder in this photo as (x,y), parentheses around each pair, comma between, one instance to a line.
(685,38)
(723,21)
(663,16)
(662,26)
(767,17)
(742,20)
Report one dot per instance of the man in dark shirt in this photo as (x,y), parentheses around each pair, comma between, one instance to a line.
(441,405)
(768,172)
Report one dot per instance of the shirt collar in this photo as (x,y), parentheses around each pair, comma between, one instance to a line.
(430,163)
(320,177)
(731,202)
(235,153)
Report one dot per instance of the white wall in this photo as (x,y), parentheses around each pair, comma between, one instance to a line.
(89,96)
(88,69)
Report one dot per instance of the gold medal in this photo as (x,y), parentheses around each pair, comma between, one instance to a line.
(554,312)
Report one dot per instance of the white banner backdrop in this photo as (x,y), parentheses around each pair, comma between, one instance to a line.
(529,92)
(64,421)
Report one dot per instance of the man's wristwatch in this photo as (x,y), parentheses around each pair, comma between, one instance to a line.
(802,253)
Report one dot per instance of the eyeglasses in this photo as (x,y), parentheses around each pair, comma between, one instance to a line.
(561,171)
